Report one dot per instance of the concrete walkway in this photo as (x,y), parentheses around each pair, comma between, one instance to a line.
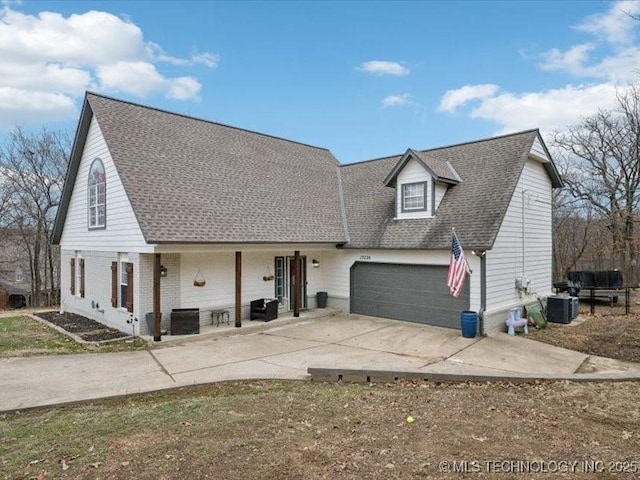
(288,349)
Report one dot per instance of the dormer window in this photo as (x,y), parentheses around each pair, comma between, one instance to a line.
(421,181)
(414,197)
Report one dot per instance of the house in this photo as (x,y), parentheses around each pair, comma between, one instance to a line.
(15,287)
(162,211)
(13,291)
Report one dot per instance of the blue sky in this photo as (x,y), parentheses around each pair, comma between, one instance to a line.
(364,79)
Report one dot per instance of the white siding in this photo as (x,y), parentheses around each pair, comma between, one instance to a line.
(441,189)
(122,232)
(413,172)
(96,303)
(538,150)
(514,255)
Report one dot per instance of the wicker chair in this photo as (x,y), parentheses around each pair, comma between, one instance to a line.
(264,309)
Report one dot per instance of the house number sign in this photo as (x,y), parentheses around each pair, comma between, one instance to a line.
(365,257)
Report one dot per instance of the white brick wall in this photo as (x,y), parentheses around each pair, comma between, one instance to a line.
(97,301)
(169,289)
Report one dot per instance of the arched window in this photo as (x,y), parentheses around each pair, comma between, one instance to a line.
(97,192)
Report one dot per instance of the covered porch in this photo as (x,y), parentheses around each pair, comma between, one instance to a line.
(218,283)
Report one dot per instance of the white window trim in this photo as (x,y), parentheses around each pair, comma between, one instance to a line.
(95,207)
(122,273)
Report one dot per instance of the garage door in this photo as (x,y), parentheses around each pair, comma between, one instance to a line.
(416,293)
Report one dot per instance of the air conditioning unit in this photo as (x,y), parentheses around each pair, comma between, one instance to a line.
(559,309)
(574,307)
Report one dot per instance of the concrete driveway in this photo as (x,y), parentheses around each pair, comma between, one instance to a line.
(287,350)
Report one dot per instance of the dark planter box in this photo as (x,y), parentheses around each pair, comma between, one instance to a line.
(185,321)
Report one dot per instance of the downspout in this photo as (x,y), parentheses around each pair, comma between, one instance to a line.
(483,291)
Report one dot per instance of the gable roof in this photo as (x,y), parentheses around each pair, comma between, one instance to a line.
(441,171)
(475,207)
(196,181)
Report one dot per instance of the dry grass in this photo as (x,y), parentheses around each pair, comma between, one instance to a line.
(22,336)
(275,430)
(607,333)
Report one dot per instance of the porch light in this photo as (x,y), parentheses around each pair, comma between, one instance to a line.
(315,263)
(163,271)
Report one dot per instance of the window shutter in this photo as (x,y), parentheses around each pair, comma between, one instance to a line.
(129,287)
(81,277)
(73,276)
(114,284)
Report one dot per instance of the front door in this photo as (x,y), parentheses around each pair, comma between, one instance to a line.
(292,278)
(284,281)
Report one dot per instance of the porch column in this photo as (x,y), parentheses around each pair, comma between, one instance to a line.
(156,297)
(238,289)
(297,275)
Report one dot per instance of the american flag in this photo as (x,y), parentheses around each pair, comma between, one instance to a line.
(458,268)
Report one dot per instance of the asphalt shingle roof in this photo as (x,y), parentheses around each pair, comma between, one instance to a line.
(475,207)
(191,180)
(196,181)
(441,168)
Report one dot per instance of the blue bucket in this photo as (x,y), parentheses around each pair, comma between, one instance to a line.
(469,323)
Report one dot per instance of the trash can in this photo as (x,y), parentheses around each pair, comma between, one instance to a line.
(321,299)
(469,323)
(148,317)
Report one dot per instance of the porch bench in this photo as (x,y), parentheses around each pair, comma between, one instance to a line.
(264,309)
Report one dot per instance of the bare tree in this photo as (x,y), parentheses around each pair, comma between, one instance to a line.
(33,166)
(604,151)
(573,233)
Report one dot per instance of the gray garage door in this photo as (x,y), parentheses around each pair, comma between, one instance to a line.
(416,293)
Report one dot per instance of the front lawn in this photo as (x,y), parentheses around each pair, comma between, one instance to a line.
(308,430)
(23,336)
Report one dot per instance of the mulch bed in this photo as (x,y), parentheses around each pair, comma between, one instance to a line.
(87,329)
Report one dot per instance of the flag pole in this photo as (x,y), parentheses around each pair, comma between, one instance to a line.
(469,270)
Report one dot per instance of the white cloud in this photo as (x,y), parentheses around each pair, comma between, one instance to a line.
(383,67)
(56,58)
(453,99)
(605,64)
(184,88)
(572,60)
(207,59)
(19,107)
(548,110)
(142,79)
(157,53)
(137,78)
(614,26)
(402,100)
(611,55)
